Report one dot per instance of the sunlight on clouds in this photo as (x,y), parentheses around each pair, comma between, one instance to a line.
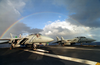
(67,30)
(64,28)
(48,33)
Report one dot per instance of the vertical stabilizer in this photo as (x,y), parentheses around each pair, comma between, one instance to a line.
(20,36)
(11,35)
(62,38)
(58,39)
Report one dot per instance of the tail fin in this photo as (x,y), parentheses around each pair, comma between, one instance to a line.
(58,39)
(11,35)
(20,36)
(62,38)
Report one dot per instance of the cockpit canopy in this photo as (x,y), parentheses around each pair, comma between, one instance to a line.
(35,34)
(80,37)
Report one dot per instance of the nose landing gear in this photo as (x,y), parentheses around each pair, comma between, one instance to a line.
(34,46)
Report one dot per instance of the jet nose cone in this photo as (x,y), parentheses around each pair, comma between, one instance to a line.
(50,39)
(94,40)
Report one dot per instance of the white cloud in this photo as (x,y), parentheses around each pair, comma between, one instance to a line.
(17,6)
(68,30)
(48,33)
(56,26)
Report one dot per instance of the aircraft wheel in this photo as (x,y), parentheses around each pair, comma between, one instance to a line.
(34,46)
(11,47)
(59,44)
(72,44)
(63,44)
(26,45)
(81,44)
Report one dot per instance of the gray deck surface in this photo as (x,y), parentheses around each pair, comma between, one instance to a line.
(19,57)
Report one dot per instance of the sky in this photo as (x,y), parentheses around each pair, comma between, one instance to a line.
(62,18)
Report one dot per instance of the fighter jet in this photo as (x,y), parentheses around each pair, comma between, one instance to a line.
(81,39)
(33,39)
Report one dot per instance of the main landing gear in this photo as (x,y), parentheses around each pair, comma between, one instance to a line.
(12,46)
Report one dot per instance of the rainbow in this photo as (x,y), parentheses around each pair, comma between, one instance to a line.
(9,28)
(13,25)
(31,15)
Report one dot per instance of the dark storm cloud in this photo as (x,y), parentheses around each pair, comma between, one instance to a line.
(21,28)
(87,12)
(9,13)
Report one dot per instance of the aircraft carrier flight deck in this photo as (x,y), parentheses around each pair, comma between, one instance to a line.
(56,55)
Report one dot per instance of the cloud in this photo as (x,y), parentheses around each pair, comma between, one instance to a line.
(21,28)
(17,6)
(87,12)
(67,30)
(8,14)
(10,11)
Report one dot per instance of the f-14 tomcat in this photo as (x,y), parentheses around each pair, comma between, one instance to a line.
(33,39)
(63,41)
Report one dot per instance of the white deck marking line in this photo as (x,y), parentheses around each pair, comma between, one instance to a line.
(41,50)
(65,57)
(78,48)
(85,49)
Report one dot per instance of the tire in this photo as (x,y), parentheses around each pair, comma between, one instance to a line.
(26,46)
(62,44)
